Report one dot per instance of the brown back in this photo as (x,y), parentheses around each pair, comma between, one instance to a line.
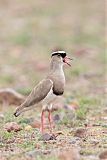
(38,93)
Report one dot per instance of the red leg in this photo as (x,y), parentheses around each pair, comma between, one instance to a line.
(50,120)
(42,122)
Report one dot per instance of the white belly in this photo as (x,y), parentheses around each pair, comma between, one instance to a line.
(49,98)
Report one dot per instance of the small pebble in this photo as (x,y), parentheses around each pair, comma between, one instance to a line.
(47,137)
(103,155)
(56,117)
(34,153)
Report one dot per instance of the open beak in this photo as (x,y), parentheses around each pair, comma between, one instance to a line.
(66,60)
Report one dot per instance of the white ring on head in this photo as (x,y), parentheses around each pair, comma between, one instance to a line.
(58,52)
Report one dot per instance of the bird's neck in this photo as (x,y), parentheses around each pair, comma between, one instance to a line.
(56,67)
(57,76)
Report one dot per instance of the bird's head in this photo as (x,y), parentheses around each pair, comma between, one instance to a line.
(61,57)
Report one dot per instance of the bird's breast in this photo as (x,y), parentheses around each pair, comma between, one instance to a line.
(58,83)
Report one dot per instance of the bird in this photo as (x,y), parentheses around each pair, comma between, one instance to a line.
(48,89)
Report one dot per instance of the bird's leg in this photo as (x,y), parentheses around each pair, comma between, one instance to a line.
(42,122)
(42,125)
(50,120)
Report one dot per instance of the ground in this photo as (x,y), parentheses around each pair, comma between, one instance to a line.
(30,30)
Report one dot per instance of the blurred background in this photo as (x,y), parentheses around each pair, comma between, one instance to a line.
(30,30)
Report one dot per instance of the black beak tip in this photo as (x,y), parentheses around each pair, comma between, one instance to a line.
(70,59)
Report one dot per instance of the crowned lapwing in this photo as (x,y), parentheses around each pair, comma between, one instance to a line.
(48,89)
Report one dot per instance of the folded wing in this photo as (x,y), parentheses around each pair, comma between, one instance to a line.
(38,93)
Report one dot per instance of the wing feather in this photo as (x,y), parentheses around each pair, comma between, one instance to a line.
(38,93)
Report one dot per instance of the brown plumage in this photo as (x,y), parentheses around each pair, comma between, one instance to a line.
(48,89)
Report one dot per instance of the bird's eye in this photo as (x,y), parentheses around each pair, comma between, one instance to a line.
(58,55)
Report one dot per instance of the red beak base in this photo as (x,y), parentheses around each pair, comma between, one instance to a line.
(65,60)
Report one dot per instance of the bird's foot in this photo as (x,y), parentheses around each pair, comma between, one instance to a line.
(53,136)
(47,137)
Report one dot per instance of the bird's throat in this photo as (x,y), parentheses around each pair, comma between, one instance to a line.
(56,67)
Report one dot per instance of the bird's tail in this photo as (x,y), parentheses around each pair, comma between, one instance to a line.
(18,111)
(21,109)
